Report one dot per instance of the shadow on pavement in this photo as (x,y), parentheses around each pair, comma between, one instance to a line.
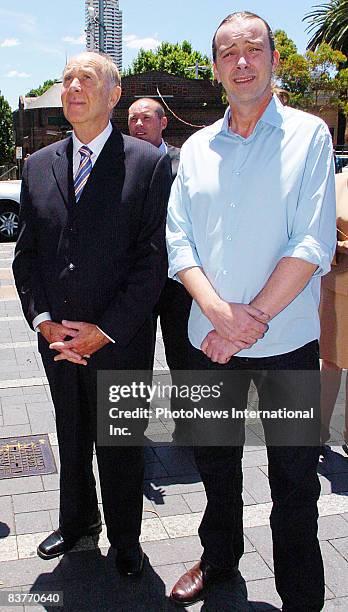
(334,467)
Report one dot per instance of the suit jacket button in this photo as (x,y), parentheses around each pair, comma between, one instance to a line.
(71,267)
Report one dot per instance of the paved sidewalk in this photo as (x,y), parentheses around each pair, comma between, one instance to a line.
(173,503)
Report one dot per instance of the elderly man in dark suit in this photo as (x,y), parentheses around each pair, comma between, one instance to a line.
(147,121)
(88,272)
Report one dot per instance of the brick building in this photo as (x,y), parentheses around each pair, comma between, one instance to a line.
(196,102)
(40,121)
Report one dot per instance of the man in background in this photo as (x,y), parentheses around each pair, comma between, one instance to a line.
(147,121)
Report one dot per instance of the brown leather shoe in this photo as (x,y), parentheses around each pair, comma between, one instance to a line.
(191,587)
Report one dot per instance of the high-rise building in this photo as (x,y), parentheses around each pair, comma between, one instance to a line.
(112,28)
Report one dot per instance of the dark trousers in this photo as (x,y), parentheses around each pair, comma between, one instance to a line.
(121,469)
(294,483)
(173,309)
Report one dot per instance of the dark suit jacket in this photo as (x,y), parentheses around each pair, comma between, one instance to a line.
(174,156)
(101,260)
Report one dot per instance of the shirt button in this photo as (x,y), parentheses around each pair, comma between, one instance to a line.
(232,205)
(224,272)
(71,267)
(228,237)
(237,173)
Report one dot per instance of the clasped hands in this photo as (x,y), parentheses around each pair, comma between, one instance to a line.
(236,327)
(85,340)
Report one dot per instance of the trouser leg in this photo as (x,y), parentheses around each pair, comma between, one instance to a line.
(298,565)
(221,529)
(293,381)
(78,498)
(220,467)
(174,309)
(121,473)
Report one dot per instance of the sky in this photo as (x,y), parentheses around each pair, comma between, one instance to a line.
(37,36)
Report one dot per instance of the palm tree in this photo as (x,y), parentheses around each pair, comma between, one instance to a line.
(330,25)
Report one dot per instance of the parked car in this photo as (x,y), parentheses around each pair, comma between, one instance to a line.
(9,210)
(341,162)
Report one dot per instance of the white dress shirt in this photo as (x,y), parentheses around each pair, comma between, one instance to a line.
(96,145)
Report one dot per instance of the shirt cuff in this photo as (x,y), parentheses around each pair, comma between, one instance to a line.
(43,316)
(312,251)
(180,261)
(108,337)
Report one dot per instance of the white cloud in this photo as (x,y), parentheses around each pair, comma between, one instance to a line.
(78,40)
(134,42)
(23,21)
(11,74)
(10,42)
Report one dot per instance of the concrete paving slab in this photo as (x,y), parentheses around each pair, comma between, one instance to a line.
(33,522)
(25,484)
(336,570)
(7,525)
(30,502)
(341,545)
(261,538)
(180,550)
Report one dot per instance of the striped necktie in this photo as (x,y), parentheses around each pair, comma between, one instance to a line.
(83,172)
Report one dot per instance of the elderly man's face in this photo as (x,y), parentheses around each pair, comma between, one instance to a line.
(87,95)
(244,60)
(145,123)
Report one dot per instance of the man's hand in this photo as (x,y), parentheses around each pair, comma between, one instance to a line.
(219,349)
(55,332)
(238,322)
(342,247)
(87,340)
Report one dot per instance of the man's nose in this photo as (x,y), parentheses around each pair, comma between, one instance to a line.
(75,83)
(242,62)
(139,121)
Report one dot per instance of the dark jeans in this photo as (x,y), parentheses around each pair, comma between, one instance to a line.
(295,489)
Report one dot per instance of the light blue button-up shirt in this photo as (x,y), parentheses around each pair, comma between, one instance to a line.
(239,205)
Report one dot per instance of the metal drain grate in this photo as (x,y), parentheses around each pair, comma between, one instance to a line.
(26,456)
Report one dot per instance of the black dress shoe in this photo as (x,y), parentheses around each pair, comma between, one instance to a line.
(129,561)
(55,544)
(192,586)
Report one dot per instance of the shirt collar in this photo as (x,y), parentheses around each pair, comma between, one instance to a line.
(96,144)
(163,147)
(274,115)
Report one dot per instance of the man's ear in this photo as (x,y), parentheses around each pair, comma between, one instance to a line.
(275,59)
(164,123)
(115,94)
(216,73)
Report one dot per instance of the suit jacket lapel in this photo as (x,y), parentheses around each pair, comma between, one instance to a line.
(107,174)
(63,171)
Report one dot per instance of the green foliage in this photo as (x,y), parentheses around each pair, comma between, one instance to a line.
(284,44)
(315,79)
(6,131)
(294,73)
(329,24)
(174,58)
(34,93)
